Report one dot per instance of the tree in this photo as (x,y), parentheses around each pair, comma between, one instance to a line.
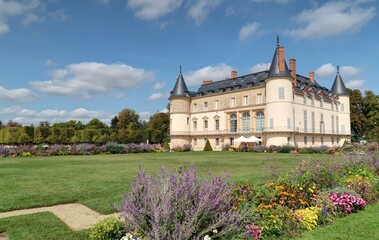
(158,127)
(44,124)
(126,117)
(11,123)
(77,125)
(95,124)
(114,122)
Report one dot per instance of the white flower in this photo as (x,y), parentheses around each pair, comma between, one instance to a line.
(214,231)
(207,237)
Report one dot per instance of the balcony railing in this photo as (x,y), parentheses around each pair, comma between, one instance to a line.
(253,131)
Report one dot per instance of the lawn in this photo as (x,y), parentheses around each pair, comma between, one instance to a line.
(99,182)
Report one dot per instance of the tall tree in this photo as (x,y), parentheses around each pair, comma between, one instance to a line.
(96,124)
(114,122)
(126,117)
(158,127)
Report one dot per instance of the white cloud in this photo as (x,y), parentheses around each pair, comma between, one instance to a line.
(325,70)
(217,72)
(17,95)
(59,15)
(120,95)
(248,30)
(329,70)
(277,1)
(156,96)
(260,67)
(144,115)
(89,78)
(10,9)
(229,11)
(331,19)
(27,116)
(48,62)
(201,8)
(159,85)
(355,84)
(153,9)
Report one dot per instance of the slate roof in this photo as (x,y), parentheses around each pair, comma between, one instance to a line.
(338,87)
(274,68)
(180,88)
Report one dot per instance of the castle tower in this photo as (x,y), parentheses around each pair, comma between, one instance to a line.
(340,90)
(180,102)
(279,101)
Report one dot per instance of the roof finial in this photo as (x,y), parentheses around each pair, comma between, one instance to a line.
(338,69)
(277,40)
(180,69)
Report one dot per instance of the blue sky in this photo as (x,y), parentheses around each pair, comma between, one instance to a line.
(66,59)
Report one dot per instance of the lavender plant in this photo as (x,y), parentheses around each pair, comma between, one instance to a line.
(180,206)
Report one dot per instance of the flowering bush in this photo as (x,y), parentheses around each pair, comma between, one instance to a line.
(347,203)
(180,206)
(253,231)
(308,217)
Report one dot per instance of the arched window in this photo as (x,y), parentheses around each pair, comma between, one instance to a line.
(260,121)
(246,122)
(233,123)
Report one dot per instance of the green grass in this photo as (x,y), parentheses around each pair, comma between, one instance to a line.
(99,181)
(362,225)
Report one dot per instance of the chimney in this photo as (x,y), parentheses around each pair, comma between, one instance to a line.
(293,69)
(233,74)
(281,58)
(205,82)
(312,77)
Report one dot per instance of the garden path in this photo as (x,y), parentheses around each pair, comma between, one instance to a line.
(75,215)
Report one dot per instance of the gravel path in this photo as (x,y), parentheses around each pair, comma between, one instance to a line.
(76,216)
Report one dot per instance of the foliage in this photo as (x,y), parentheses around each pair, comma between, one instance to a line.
(347,203)
(114,148)
(308,217)
(159,127)
(208,146)
(180,206)
(166,146)
(126,117)
(109,228)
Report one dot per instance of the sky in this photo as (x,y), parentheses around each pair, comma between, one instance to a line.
(79,60)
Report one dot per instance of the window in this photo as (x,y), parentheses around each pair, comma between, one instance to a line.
(205,106)
(289,140)
(233,123)
(217,103)
(332,140)
(321,103)
(322,140)
(231,141)
(187,120)
(312,100)
(217,141)
(305,121)
(217,124)
(260,121)
(305,98)
(271,123)
(313,140)
(322,124)
(281,92)
(305,140)
(337,125)
(195,107)
(332,123)
(195,141)
(194,125)
(331,105)
(259,98)
(205,124)
(342,107)
(313,122)
(343,128)
(246,122)
(288,123)
(233,102)
(245,100)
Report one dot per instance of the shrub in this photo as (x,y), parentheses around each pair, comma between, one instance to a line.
(308,217)
(208,146)
(166,146)
(286,149)
(114,148)
(347,203)
(187,147)
(109,228)
(180,206)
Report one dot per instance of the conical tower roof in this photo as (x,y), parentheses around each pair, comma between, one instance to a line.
(274,70)
(180,88)
(338,87)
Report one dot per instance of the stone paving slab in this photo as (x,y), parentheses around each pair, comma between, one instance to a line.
(75,215)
